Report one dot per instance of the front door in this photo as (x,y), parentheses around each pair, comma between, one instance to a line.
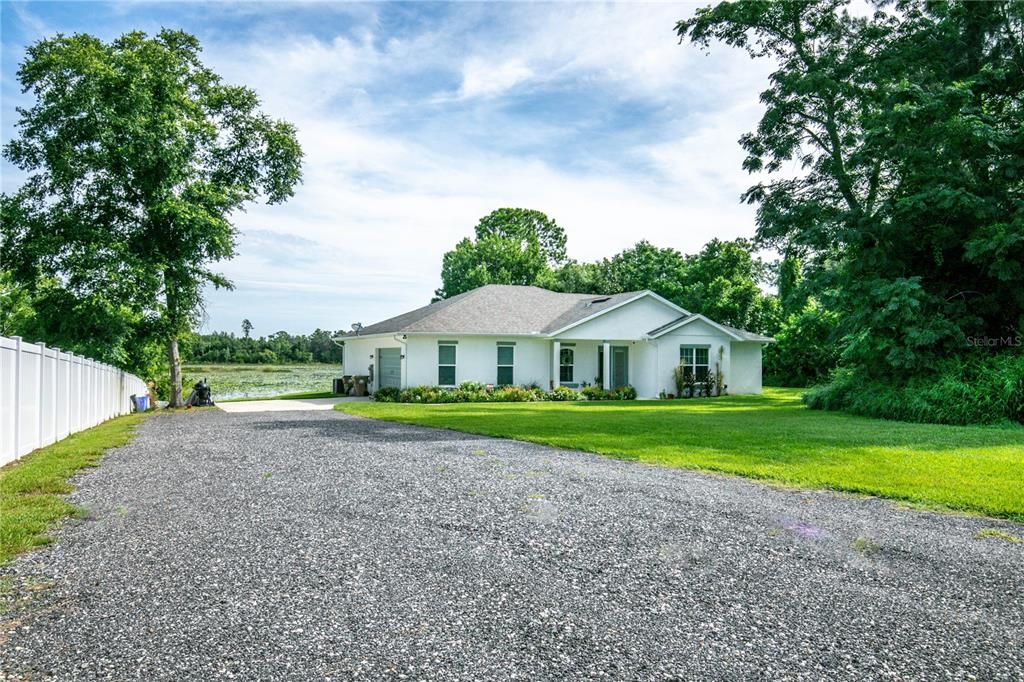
(620,366)
(389,367)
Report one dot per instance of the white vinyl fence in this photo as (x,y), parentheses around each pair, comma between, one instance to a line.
(47,394)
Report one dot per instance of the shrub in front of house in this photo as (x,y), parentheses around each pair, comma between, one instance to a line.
(562,394)
(388,394)
(473,392)
(626,392)
(516,394)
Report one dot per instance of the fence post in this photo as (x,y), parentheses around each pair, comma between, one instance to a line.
(39,394)
(53,401)
(17,397)
(67,394)
(87,394)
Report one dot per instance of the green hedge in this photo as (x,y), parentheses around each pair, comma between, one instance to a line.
(981,389)
(474,392)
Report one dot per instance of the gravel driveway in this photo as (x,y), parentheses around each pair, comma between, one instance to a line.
(315,545)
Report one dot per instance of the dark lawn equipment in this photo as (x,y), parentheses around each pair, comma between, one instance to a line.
(201,396)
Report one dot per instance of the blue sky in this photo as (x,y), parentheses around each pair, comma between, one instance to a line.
(418,119)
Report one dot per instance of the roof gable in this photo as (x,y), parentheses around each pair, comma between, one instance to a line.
(733,332)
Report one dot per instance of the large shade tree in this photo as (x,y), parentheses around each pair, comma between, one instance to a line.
(137,157)
(909,128)
(511,246)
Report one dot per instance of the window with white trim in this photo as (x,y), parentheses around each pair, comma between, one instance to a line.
(446,363)
(566,365)
(695,359)
(506,364)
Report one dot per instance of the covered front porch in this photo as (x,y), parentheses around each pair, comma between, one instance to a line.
(576,363)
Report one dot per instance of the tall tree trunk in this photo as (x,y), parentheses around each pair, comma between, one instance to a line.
(175,361)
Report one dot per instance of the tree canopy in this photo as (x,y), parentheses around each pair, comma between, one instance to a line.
(512,246)
(908,126)
(138,155)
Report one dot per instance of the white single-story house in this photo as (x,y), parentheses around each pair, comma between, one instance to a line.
(503,334)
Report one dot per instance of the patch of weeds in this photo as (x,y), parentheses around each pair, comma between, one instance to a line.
(474,493)
(479,453)
(865,545)
(998,534)
(268,474)
(121,510)
(535,496)
(508,476)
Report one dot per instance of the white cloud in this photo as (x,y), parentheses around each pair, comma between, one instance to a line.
(398,170)
(481,78)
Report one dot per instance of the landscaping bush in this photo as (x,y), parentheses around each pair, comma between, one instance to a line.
(516,394)
(596,393)
(388,394)
(625,393)
(473,392)
(561,394)
(968,390)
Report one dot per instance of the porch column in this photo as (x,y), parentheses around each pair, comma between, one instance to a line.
(606,371)
(556,360)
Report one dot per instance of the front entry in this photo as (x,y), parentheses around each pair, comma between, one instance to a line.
(389,367)
(620,366)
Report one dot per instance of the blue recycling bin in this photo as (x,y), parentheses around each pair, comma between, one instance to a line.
(141,402)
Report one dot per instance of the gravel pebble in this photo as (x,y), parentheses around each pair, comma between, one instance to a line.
(316,545)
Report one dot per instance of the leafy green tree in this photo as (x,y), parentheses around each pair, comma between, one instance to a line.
(138,156)
(573,277)
(16,312)
(490,260)
(792,292)
(246,327)
(909,129)
(644,266)
(723,281)
(525,225)
(806,349)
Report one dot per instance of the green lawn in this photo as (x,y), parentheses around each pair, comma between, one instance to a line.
(32,488)
(771,436)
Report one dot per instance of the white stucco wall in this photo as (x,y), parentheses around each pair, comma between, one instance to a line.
(476,359)
(697,333)
(746,367)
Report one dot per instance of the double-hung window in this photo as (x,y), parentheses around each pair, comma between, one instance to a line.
(695,359)
(506,364)
(446,363)
(566,365)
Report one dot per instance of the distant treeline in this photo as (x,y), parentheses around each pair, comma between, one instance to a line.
(279,348)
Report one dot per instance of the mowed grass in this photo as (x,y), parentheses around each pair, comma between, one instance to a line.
(32,488)
(771,436)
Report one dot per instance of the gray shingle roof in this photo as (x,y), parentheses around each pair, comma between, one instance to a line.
(509,309)
(499,309)
(743,334)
